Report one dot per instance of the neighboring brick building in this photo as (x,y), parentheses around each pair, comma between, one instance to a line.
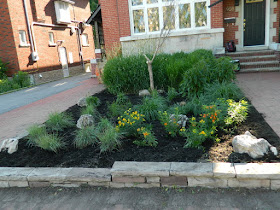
(56,43)
(252,24)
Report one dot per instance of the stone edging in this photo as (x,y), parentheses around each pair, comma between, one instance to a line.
(147,175)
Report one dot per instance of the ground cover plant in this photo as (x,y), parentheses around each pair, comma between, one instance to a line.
(195,120)
(19,80)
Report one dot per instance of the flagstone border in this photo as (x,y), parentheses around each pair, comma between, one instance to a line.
(148,175)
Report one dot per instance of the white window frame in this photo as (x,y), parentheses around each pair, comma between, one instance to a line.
(85,41)
(51,39)
(62,10)
(23,39)
(160,5)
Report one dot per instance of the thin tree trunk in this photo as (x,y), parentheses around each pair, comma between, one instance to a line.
(150,69)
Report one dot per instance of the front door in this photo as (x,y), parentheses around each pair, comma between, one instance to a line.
(64,61)
(254,22)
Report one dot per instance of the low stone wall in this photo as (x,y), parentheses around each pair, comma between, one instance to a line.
(148,175)
(53,75)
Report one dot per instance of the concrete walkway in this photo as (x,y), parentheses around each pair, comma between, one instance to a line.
(263,89)
(19,110)
(118,199)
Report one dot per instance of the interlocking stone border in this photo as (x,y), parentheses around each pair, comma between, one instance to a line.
(148,175)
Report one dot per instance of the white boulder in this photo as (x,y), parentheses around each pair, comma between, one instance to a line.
(144,93)
(256,148)
(85,121)
(182,119)
(9,144)
(82,102)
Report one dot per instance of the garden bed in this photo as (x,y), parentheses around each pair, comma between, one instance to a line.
(169,149)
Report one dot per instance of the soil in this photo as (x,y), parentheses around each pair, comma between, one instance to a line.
(168,148)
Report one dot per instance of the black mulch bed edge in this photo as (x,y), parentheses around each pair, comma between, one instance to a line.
(168,149)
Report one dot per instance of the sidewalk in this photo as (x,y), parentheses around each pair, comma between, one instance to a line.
(263,89)
(27,107)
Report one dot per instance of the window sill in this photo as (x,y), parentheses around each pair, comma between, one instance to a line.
(172,34)
(24,45)
(86,45)
(52,45)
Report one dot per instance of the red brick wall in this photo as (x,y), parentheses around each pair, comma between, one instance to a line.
(276,24)
(7,49)
(115,18)
(44,11)
(216,15)
(230,29)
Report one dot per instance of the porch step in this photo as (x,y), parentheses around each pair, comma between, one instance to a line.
(255,58)
(250,53)
(254,70)
(259,64)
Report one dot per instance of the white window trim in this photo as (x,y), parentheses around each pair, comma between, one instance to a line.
(160,4)
(52,44)
(23,44)
(87,40)
(61,18)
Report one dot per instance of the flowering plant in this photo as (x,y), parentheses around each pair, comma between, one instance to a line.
(170,124)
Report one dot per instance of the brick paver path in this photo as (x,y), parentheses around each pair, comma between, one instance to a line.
(263,89)
(15,122)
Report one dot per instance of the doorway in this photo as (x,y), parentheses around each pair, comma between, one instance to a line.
(254,22)
(64,61)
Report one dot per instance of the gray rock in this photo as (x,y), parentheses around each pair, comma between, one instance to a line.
(82,102)
(182,103)
(85,121)
(160,91)
(9,144)
(144,93)
(256,148)
(182,119)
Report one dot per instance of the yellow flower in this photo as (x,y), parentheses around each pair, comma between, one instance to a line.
(120,122)
(193,118)
(124,119)
(145,134)
(202,133)
(202,121)
(138,129)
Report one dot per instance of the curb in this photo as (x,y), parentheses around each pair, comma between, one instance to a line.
(148,175)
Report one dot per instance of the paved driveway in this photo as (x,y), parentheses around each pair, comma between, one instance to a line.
(19,110)
(263,89)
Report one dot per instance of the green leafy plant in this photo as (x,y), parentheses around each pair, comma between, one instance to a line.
(172,94)
(90,109)
(237,112)
(170,124)
(109,137)
(151,105)
(59,121)
(147,137)
(3,69)
(93,101)
(85,137)
(121,104)
(22,79)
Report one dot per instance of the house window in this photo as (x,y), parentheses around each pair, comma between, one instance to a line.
(62,10)
(23,39)
(150,16)
(51,40)
(85,42)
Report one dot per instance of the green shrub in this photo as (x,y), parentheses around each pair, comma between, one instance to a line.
(93,101)
(90,109)
(108,136)
(223,71)
(147,138)
(59,121)
(85,137)
(50,142)
(151,105)
(21,79)
(170,124)
(172,94)
(237,112)
(5,85)
(3,69)
(126,74)
(226,90)
(121,104)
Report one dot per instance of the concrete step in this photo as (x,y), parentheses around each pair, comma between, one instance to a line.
(261,64)
(256,58)
(249,53)
(254,70)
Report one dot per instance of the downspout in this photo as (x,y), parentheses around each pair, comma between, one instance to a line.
(28,27)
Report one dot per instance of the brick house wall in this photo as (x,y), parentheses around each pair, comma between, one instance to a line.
(7,50)
(217,15)
(230,29)
(43,11)
(276,24)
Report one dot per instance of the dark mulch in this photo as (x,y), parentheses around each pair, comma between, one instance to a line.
(168,149)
